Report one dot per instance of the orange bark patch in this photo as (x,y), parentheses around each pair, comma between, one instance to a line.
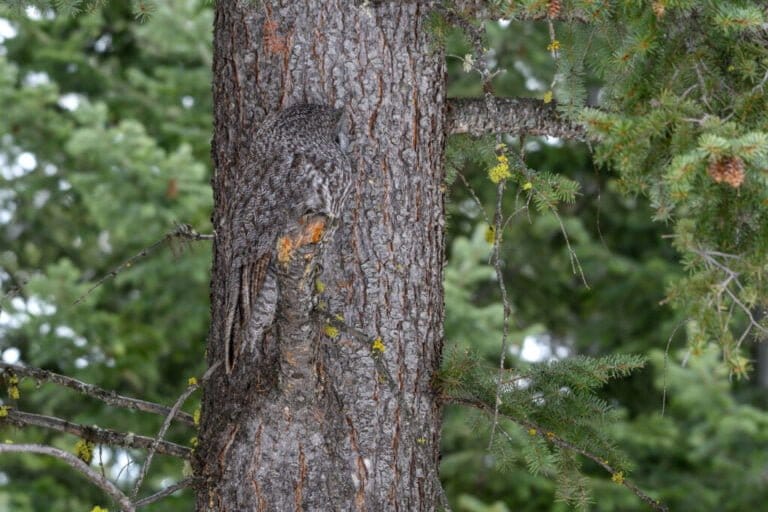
(315,230)
(285,248)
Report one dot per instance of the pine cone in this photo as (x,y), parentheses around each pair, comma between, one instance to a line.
(728,169)
(553,10)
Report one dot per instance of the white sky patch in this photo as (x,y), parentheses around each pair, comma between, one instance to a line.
(36,14)
(103,242)
(38,307)
(503,23)
(537,349)
(124,467)
(103,43)
(40,198)
(36,78)
(556,142)
(187,101)
(11,355)
(532,146)
(532,83)
(26,161)
(12,321)
(70,101)
(104,453)
(65,331)
(11,172)
(24,309)
(6,30)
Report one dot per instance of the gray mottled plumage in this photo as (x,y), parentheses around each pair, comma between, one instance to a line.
(296,168)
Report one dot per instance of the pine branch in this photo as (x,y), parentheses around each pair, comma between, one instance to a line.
(108,397)
(94,433)
(94,476)
(510,115)
(561,443)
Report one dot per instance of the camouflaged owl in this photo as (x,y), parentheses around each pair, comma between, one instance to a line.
(298,175)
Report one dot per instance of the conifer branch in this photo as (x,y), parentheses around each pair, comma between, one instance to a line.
(183,232)
(93,476)
(108,397)
(534,429)
(93,433)
(514,116)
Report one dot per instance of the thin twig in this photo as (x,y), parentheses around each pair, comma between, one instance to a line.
(575,263)
(187,482)
(474,196)
(182,232)
(93,433)
(664,373)
(724,286)
(93,476)
(108,397)
(164,428)
(480,65)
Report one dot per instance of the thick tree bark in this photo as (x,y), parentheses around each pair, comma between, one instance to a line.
(323,426)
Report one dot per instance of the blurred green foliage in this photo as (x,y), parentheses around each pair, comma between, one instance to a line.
(104,141)
(105,132)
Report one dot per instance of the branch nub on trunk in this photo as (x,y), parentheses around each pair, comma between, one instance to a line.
(515,116)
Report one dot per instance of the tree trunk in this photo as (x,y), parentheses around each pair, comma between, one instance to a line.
(331,423)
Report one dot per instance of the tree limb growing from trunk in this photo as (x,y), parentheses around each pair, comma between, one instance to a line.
(513,115)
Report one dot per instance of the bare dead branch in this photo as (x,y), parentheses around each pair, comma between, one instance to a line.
(164,428)
(94,433)
(108,397)
(181,232)
(711,262)
(143,502)
(561,443)
(93,476)
(510,115)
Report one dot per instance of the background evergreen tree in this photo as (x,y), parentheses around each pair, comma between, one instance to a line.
(106,127)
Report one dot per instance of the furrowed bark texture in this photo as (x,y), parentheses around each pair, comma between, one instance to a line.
(319,427)
(513,115)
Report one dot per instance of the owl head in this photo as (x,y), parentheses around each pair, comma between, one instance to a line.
(312,120)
